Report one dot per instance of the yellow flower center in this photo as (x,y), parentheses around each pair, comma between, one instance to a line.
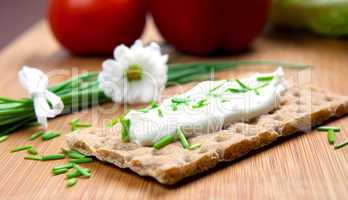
(134,73)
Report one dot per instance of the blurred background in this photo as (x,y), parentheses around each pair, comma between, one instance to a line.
(95,27)
(17,16)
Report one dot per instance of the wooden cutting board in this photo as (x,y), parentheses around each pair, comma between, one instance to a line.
(304,166)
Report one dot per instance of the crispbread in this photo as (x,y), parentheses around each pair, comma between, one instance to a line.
(301,108)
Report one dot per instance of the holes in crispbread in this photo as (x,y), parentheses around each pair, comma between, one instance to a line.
(203,149)
(222,137)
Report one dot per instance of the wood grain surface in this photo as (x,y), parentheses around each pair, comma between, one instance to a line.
(302,167)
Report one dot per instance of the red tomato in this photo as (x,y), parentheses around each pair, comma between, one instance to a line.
(203,26)
(96,26)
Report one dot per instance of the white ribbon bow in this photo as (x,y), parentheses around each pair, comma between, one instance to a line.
(46,103)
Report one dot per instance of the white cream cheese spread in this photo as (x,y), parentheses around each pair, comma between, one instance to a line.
(208,107)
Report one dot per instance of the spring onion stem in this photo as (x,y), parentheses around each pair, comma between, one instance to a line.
(36,135)
(65,166)
(59,171)
(182,138)
(164,141)
(33,158)
(81,160)
(53,157)
(71,182)
(327,128)
(3,138)
(50,135)
(338,146)
(21,148)
(331,136)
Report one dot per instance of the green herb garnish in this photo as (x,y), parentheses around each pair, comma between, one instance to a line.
(194,146)
(75,124)
(264,78)
(159,111)
(21,148)
(81,160)
(164,141)
(3,138)
(331,136)
(177,100)
(174,106)
(53,157)
(242,85)
(32,151)
(200,104)
(59,171)
(235,90)
(65,166)
(125,129)
(113,122)
(36,135)
(50,135)
(71,182)
(84,172)
(182,138)
(33,157)
(72,153)
(327,128)
(338,146)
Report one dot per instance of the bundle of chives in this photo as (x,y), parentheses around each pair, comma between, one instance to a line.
(83,91)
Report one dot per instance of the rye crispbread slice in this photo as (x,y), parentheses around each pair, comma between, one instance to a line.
(301,109)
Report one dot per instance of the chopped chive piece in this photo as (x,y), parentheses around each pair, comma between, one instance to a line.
(338,146)
(53,157)
(73,174)
(200,104)
(160,112)
(182,138)
(194,146)
(174,106)
(165,140)
(75,155)
(50,135)
(265,78)
(60,171)
(84,172)
(65,166)
(74,121)
(261,86)
(256,92)
(81,160)
(83,125)
(112,123)
(327,128)
(125,129)
(21,148)
(177,100)
(153,104)
(75,124)
(242,85)
(32,151)
(33,157)
(71,182)
(235,90)
(3,138)
(215,88)
(331,136)
(36,135)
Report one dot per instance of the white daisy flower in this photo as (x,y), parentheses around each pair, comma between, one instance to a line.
(136,75)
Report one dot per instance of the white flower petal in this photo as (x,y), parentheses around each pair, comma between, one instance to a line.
(154,66)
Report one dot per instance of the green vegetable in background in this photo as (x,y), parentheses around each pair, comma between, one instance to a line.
(324,17)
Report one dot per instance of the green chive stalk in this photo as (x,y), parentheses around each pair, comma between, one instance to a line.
(83,91)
